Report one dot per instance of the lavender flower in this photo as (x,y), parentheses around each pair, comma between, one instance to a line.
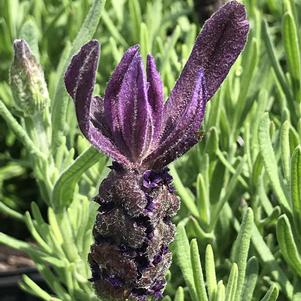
(142,134)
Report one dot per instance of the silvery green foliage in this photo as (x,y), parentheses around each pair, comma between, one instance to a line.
(247,158)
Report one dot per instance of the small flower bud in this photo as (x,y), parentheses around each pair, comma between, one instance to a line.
(27,81)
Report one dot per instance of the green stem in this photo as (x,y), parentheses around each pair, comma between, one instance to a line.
(20,132)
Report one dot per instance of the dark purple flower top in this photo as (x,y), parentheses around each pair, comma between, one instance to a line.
(132,123)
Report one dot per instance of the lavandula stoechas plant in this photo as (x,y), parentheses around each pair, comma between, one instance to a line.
(142,134)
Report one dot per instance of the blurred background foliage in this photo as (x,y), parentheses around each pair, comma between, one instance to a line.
(249,156)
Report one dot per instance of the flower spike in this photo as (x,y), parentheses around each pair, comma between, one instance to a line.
(142,134)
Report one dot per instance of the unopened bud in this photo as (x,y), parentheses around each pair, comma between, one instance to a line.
(27,81)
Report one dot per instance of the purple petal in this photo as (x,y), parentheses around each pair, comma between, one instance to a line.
(79,81)
(134,110)
(97,117)
(113,88)
(155,96)
(85,62)
(185,134)
(216,49)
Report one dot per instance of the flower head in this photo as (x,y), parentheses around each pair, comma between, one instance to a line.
(132,123)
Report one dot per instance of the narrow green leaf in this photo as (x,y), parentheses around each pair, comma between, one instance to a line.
(296,187)
(257,169)
(285,149)
(249,66)
(242,249)
(117,54)
(183,193)
(184,259)
(168,49)
(113,29)
(262,104)
(53,282)
(231,290)
(144,41)
(14,243)
(212,117)
(179,294)
(29,249)
(54,227)
(250,280)
(68,158)
(203,201)
(265,202)
(221,291)
(63,190)
(272,294)
(53,86)
(230,188)
(31,287)
(272,218)
(19,131)
(271,264)
(287,244)
(210,273)
(200,233)
(269,160)
(212,141)
(291,45)
(275,64)
(290,7)
(197,271)
(229,166)
(69,245)
(135,18)
(36,213)
(5,210)
(118,7)
(32,229)
(294,140)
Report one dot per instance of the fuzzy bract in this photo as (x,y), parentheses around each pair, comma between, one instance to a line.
(132,123)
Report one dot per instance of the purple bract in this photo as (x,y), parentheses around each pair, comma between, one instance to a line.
(132,123)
